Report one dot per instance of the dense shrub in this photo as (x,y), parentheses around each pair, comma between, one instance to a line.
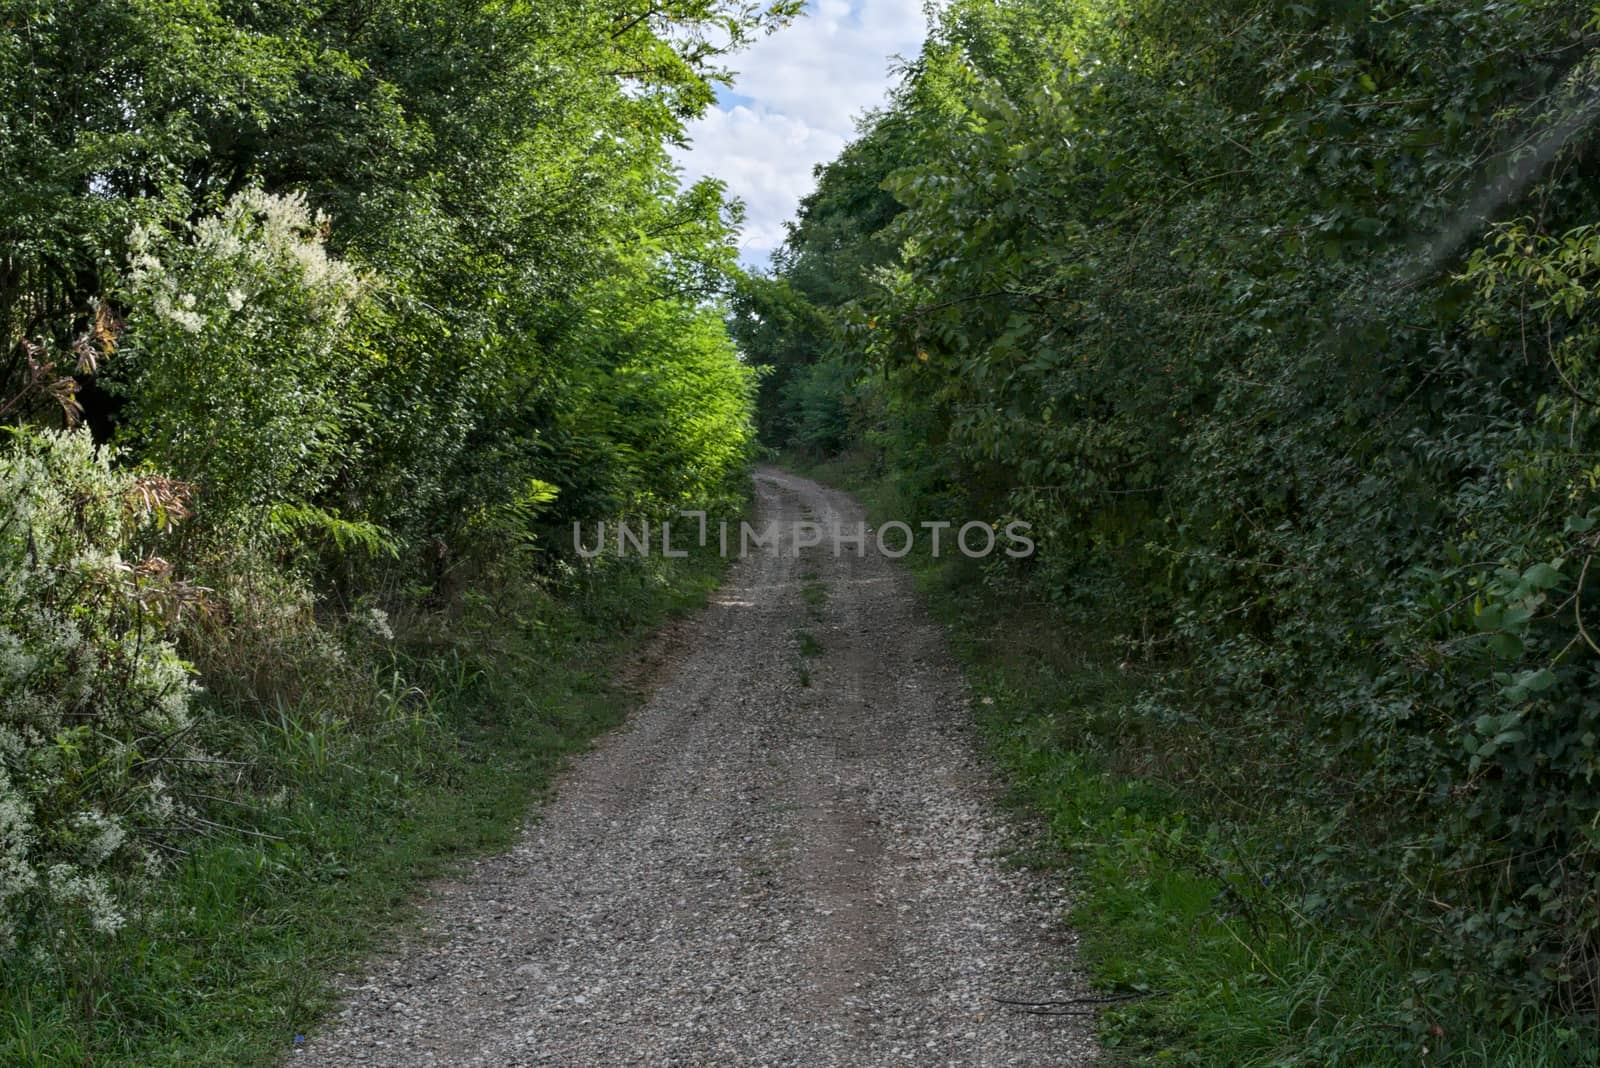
(387,296)
(97,703)
(241,364)
(1278,324)
(817,400)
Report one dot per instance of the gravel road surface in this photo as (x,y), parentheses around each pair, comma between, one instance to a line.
(791,855)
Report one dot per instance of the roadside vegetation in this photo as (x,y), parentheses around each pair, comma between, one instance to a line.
(322,324)
(1277,323)
(322,823)
(1197,962)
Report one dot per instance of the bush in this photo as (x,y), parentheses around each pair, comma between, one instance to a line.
(94,702)
(241,363)
(1224,300)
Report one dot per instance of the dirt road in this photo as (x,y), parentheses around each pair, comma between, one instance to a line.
(790,856)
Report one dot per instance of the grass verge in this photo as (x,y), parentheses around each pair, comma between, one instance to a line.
(1218,970)
(325,827)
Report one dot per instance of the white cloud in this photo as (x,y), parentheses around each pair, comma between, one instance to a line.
(794,105)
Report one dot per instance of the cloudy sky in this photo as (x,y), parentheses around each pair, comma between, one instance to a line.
(794,106)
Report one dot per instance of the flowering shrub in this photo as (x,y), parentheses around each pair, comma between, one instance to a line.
(93,701)
(239,363)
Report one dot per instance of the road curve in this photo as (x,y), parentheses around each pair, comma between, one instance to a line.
(790,856)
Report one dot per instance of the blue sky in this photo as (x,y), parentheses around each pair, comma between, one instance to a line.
(794,105)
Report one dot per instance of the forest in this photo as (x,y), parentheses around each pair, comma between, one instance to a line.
(326,321)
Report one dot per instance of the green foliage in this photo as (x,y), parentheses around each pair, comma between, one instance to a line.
(816,399)
(294,522)
(386,295)
(1277,323)
(335,815)
(239,361)
(660,412)
(492,175)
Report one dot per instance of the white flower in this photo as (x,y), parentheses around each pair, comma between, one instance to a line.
(72,637)
(17,876)
(376,621)
(185,318)
(15,661)
(105,836)
(66,885)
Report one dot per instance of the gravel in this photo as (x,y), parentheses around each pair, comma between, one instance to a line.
(781,860)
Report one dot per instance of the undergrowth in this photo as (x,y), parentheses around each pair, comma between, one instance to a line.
(324,820)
